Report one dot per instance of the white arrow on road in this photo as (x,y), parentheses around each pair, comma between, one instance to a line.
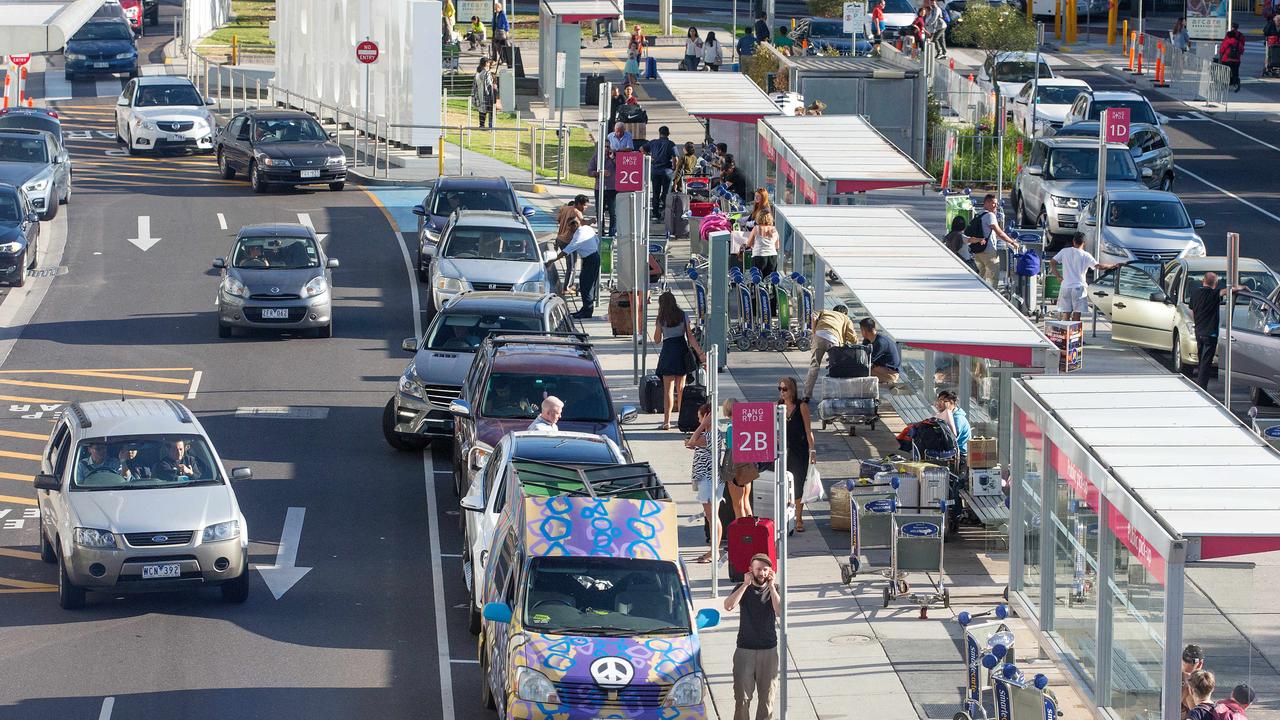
(144,241)
(282,576)
(304,219)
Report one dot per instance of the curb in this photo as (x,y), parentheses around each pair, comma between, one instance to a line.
(358,178)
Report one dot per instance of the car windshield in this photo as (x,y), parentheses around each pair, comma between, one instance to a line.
(9,208)
(1257,282)
(827,29)
(464,332)
(23,149)
(1051,95)
(1082,164)
(142,462)
(605,596)
(1147,214)
(563,450)
(520,395)
(276,253)
(32,122)
(103,31)
(1139,110)
(288,130)
(449,200)
(160,95)
(1019,71)
(471,243)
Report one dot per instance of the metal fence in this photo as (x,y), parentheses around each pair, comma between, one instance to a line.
(1189,75)
(975,158)
(965,98)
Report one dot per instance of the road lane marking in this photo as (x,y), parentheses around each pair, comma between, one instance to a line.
(108,704)
(222,221)
(20,554)
(437,579)
(304,219)
(1238,132)
(17,476)
(35,401)
(19,455)
(16,500)
(144,241)
(88,388)
(284,573)
(119,370)
(23,435)
(25,584)
(21,591)
(1227,192)
(195,384)
(119,376)
(464,661)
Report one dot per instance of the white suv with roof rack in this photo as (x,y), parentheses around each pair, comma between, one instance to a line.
(133,498)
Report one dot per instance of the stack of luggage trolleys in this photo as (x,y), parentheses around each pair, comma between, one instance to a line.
(849,401)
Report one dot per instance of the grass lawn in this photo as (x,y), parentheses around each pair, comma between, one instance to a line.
(513,148)
(526,28)
(249,26)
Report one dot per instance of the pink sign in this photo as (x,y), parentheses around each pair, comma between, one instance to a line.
(1117,124)
(1129,536)
(753,439)
(1074,476)
(630,167)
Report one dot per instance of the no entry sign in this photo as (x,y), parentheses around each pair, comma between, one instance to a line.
(367,52)
(630,167)
(20,60)
(1117,125)
(753,436)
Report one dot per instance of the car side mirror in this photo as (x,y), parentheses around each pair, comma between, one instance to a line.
(628,414)
(1147,174)
(210,101)
(1198,223)
(1035,170)
(528,211)
(472,503)
(1158,297)
(122,102)
(219,263)
(409,345)
(497,612)
(332,264)
(241,473)
(460,409)
(33,217)
(419,210)
(1271,329)
(707,618)
(333,135)
(45,481)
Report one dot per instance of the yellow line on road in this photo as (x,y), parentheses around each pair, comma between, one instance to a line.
(16,476)
(78,370)
(22,399)
(23,435)
(19,455)
(119,376)
(27,585)
(19,591)
(93,389)
(20,554)
(16,500)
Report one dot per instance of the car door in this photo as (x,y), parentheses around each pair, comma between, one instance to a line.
(1103,292)
(1022,109)
(1136,318)
(236,144)
(54,462)
(124,108)
(1255,353)
(1033,193)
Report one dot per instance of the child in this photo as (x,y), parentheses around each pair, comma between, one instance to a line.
(476,35)
(955,240)
(702,469)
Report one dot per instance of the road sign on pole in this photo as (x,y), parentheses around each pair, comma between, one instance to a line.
(753,432)
(1113,128)
(20,60)
(1117,125)
(855,18)
(1233,279)
(629,171)
(367,51)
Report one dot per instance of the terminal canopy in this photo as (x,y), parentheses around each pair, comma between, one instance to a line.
(719,96)
(42,27)
(836,155)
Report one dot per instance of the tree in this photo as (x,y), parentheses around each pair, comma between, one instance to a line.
(995,29)
(826,8)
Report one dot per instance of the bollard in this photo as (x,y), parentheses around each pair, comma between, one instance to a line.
(22,86)
(235,49)
(1132,37)
(440,156)
(1141,43)
(970,77)
(951,64)
(1057,19)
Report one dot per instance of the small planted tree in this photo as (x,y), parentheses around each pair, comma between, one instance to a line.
(995,29)
(826,8)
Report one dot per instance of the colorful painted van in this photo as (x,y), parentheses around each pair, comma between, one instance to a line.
(588,614)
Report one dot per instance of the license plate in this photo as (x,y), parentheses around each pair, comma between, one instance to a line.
(275,314)
(310,173)
(167,570)
(176,138)
(101,65)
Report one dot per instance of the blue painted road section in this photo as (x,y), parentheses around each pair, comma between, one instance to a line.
(399,203)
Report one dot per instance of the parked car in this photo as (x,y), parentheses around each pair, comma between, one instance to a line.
(898,16)
(503,391)
(39,118)
(133,498)
(164,112)
(280,147)
(1061,178)
(33,160)
(827,35)
(449,194)
(1049,99)
(1147,227)
(19,235)
(1009,71)
(1089,106)
(419,411)
(1255,354)
(278,277)
(1147,306)
(1147,144)
(486,250)
(486,496)
(101,47)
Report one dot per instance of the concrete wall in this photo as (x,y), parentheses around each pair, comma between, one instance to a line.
(315,57)
(201,17)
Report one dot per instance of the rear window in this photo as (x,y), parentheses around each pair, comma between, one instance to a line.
(32,122)
(463,332)
(472,199)
(564,451)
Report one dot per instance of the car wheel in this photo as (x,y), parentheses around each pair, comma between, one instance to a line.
(1019,210)
(255,180)
(395,439)
(47,553)
(224,167)
(224,330)
(33,250)
(1178,365)
(1166,182)
(51,212)
(424,274)
(66,196)
(70,76)
(129,148)
(70,597)
(236,591)
(1042,221)
(486,692)
(337,186)
(473,615)
(20,274)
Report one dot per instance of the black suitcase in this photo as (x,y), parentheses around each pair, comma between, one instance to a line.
(651,394)
(592,90)
(691,398)
(850,361)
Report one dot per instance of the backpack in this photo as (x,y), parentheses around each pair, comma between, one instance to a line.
(974,230)
(933,438)
(1028,263)
(1223,711)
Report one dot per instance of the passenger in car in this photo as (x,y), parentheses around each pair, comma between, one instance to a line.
(131,467)
(177,463)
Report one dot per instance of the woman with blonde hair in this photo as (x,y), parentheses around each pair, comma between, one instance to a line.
(763,242)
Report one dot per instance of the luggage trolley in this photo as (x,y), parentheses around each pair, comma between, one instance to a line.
(871,508)
(1025,288)
(917,547)
(802,312)
(742,331)
(658,256)
(986,645)
(699,304)
(1018,698)
(850,401)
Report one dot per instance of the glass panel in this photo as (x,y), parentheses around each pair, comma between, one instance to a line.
(1031,522)
(1138,638)
(1075,561)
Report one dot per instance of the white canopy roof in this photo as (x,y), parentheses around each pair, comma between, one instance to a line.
(845,147)
(916,289)
(1183,455)
(37,27)
(581,8)
(720,95)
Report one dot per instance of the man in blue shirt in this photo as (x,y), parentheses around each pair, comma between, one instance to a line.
(662,159)
(746,45)
(956,417)
(885,361)
(501,36)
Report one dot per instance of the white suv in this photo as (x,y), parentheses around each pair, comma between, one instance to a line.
(133,498)
(163,112)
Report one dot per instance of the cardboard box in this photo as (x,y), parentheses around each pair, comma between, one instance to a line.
(983,453)
(839,500)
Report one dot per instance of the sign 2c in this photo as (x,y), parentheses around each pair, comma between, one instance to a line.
(629,167)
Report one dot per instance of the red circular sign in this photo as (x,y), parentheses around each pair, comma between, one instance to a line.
(367,52)
(20,60)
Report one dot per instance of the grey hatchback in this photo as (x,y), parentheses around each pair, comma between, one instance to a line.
(277,276)
(1148,147)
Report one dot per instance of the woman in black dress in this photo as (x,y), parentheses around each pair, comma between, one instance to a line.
(800,446)
(674,361)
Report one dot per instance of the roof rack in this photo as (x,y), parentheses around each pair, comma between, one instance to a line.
(78,413)
(578,340)
(635,481)
(184,415)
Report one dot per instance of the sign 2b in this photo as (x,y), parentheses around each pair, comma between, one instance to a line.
(753,432)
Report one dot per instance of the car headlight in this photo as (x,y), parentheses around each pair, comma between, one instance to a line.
(1194,248)
(124,56)
(90,537)
(234,287)
(336,160)
(532,286)
(10,247)
(533,686)
(1065,202)
(37,185)
(1114,249)
(316,286)
(687,691)
(145,124)
(410,385)
(452,286)
(76,56)
(221,531)
(269,161)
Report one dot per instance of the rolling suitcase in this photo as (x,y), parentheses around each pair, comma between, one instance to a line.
(748,536)
(620,320)
(651,394)
(850,361)
(591,95)
(691,398)
(677,224)
(762,492)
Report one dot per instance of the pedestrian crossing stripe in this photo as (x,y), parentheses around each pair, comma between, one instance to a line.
(19,455)
(11,585)
(19,554)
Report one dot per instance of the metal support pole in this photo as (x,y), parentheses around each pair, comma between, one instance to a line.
(219,86)
(461,162)
(1100,205)
(257,92)
(231,92)
(602,122)
(642,269)
(1233,279)
(713,447)
(244,93)
(533,154)
(782,494)
(637,295)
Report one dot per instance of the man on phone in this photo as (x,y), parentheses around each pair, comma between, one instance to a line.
(755,661)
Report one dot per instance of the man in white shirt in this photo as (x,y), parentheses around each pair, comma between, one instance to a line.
(586,245)
(1072,265)
(552,406)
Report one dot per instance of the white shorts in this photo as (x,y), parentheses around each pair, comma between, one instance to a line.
(1073,300)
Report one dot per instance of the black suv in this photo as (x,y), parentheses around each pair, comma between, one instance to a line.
(504,389)
(459,193)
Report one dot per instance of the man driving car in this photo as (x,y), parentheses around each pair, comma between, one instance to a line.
(97,460)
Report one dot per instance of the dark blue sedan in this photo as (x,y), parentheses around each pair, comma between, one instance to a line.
(19,235)
(102,47)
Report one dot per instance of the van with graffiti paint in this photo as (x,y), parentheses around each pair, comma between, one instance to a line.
(587,609)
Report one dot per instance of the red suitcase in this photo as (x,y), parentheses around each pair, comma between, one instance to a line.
(748,536)
(701,209)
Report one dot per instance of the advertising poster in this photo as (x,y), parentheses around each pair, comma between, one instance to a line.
(1207,19)
(482,9)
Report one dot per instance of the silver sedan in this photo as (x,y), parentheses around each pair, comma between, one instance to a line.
(276,277)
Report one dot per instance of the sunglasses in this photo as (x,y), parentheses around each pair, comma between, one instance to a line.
(783,388)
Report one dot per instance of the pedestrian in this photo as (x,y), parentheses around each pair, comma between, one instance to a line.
(801,448)
(615,101)
(1231,52)
(686,166)
(1204,303)
(1072,265)
(680,354)
(1200,688)
(552,408)
(637,40)
(885,361)
(501,36)
(483,92)
(982,232)
(692,50)
(604,27)
(718,155)
(746,45)
(450,14)
(783,42)
(1242,696)
(935,24)
(734,178)
(1178,36)
(620,140)
(877,25)
(947,409)
(712,53)
(831,328)
(956,242)
(630,112)
(567,214)
(761,205)
(610,191)
(585,245)
(917,30)
(631,71)
(662,168)
(761,27)
(700,443)
(738,476)
(755,660)
(815,108)
(476,35)
(1192,660)
(763,243)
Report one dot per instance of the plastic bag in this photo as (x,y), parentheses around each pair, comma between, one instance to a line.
(813,490)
